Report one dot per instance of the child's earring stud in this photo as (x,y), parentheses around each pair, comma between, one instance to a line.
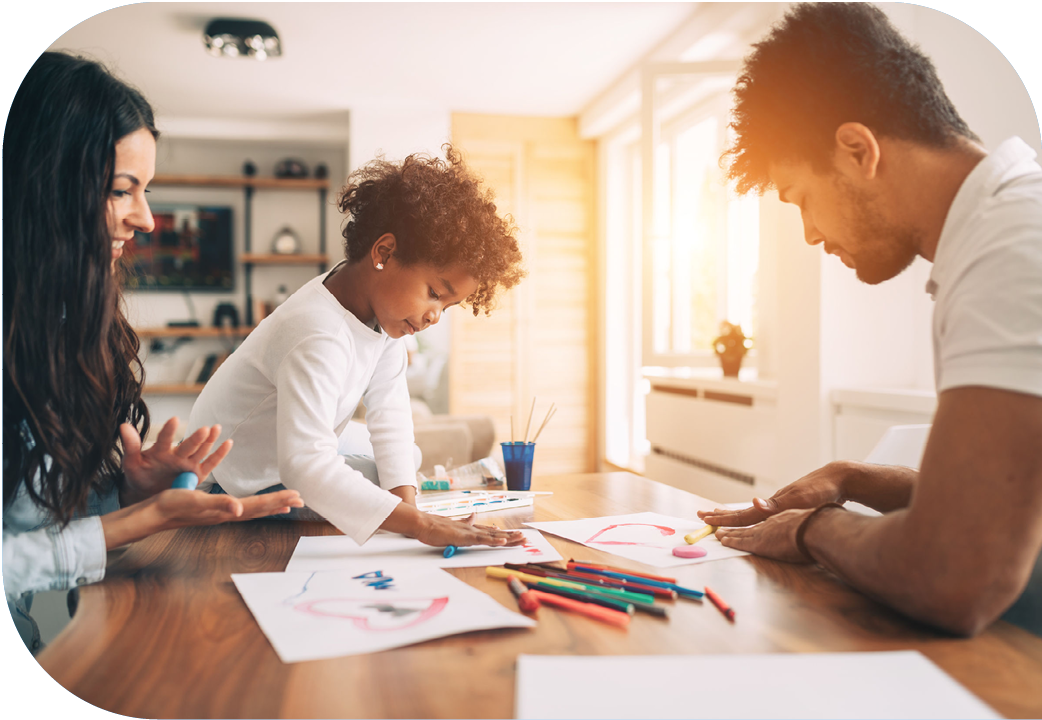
(379,266)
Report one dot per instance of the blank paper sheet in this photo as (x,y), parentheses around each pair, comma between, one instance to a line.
(810,685)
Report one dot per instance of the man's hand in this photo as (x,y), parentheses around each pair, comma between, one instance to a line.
(822,486)
(773,538)
(152,471)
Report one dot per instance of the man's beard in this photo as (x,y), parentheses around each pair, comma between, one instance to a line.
(884,249)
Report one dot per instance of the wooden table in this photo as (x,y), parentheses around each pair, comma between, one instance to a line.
(167,635)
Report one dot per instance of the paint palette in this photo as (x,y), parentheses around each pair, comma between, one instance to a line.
(465,502)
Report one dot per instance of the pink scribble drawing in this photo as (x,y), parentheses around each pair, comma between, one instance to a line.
(665,530)
(532,550)
(391,609)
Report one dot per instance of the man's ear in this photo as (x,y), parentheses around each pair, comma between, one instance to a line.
(382,250)
(857,151)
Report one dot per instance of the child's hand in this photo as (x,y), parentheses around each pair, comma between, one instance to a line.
(445,531)
(153,470)
(440,531)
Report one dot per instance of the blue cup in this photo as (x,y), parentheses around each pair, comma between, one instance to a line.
(517,461)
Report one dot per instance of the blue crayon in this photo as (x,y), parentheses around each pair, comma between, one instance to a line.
(186,481)
(450,551)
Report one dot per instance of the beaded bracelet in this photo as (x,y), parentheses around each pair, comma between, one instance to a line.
(802,529)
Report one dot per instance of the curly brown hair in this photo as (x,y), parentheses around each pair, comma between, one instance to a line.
(439,214)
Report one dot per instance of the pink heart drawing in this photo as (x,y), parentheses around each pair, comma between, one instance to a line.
(663,529)
(376,615)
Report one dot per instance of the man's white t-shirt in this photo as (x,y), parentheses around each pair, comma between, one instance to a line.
(285,398)
(987,284)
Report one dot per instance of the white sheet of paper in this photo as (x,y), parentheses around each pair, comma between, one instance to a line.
(314,615)
(329,552)
(807,685)
(645,537)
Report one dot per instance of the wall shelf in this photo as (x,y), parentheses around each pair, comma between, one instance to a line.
(173,389)
(287,259)
(248,185)
(193,332)
(241,181)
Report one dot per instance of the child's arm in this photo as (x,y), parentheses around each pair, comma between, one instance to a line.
(310,381)
(388,418)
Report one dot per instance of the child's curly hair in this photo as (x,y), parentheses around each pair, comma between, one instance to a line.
(439,215)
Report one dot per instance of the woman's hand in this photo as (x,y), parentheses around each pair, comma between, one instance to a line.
(822,486)
(152,471)
(174,508)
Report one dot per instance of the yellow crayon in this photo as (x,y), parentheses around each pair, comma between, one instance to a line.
(694,537)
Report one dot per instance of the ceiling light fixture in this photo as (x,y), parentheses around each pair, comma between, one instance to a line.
(237,37)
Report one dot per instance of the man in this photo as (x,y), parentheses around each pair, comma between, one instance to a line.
(848,121)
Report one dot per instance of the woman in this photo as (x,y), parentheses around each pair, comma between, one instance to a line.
(79,150)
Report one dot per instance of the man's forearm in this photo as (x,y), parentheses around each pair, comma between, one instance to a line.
(883,558)
(881,487)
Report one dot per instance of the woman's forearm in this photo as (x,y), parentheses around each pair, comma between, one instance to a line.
(130,524)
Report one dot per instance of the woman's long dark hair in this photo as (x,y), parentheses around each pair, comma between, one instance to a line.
(71,367)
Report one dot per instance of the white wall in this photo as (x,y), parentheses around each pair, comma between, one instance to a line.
(395,131)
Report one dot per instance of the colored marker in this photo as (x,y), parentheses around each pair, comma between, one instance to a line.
(603,582)
(620,593)
(692,538)
(503,573)
(628,605)
(581,596)
(627,585)
(186,481)
(614,617)
(450,551)
(595,566)
(525,599)
(680,589)
(720,604)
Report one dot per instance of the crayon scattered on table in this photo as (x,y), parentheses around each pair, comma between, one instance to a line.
(720,604)
(692,538)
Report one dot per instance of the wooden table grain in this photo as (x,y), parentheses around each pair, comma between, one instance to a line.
(167,635)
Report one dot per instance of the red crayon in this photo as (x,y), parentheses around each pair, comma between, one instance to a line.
(720,604)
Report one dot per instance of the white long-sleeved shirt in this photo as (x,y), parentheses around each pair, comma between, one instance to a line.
(285,397)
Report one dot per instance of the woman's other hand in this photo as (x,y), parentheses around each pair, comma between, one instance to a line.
(152,471)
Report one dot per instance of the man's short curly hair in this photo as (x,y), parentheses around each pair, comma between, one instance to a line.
(823,65)
(439,214)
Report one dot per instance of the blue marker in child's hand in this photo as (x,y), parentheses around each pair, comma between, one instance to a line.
(450,551)
(187,481)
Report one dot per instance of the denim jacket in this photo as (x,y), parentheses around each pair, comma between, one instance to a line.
(39,554)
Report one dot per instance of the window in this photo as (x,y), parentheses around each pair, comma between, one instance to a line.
(671,278)
(704,244)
